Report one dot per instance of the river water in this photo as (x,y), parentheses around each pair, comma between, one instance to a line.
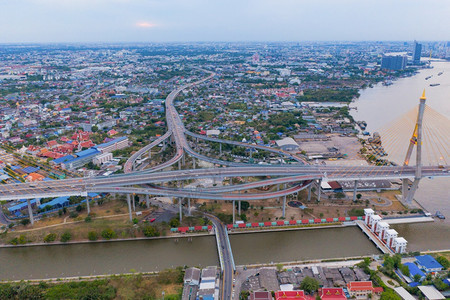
(378,106)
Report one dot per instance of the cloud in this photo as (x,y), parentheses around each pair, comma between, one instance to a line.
(145,25)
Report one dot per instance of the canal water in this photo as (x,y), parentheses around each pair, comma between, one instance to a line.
(39,262)
(54,261)
(300,245)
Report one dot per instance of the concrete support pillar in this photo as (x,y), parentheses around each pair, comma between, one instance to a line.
(309,192)
(180,208)
(405,183)
(129,206)
(30,212)
(193,162)
(234,211)
(147,200)
(134,203)
(239,208)
(189,206)
(183,160)
(179,165)
(284,206)
(320,190)
(220,148)
(355,190)
(87,205)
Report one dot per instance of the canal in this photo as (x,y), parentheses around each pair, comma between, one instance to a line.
(38,262)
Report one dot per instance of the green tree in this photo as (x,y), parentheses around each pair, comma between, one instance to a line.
(150,231)
(174,222)
(108,234)
(309,284)
(25,222)
(443,261)
(92,235)
(66,236)
(244,205)
(51,237)
(405,270)
(243,217)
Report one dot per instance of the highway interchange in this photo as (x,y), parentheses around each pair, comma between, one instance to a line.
(298,175)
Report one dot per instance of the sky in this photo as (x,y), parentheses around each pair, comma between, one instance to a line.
(42,21)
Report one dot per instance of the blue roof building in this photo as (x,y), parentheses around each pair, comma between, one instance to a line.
(20,206)
(56,203)
(414,270)
(30,169)
(83,158)
(428,263)
(63,159)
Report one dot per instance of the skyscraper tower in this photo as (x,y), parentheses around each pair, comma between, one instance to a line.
(416,53)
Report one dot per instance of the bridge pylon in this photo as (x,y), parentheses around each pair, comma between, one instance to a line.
(416,140)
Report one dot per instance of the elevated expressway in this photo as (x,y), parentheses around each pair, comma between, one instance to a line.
(294,174)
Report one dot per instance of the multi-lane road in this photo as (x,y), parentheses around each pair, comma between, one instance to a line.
(289,174)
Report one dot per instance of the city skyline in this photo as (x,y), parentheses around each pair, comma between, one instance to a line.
(43,21)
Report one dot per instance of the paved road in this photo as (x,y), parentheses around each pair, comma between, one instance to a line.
(290,174)
(227,272)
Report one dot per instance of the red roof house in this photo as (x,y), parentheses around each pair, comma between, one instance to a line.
(332,293)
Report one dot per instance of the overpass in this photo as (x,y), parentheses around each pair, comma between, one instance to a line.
(295,177)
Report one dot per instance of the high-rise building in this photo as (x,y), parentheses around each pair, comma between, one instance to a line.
(416,53)
(393,62)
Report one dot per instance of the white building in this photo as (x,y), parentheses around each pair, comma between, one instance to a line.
(102,158)
(116,144)
(374,221)
(400,245)
(391,234)
(368,213)
(287,144)
(382,227)
(212,132)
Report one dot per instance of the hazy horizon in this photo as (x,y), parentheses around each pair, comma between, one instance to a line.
(178,21)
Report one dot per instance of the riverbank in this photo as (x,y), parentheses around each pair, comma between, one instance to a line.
(119,286)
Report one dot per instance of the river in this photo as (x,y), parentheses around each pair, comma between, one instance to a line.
(379,106)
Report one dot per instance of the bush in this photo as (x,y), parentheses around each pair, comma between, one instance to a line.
(135,221)
(73,215)
(88,219)
(92,236)
(51,237)
(174,222)
(109,234)
(18,240)
(150,231)
(25,222)
(443,261)
(66,236)
(354,212)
